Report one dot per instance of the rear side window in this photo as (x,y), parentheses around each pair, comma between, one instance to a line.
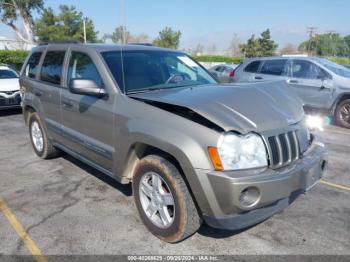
(274,67)
(33,64)
(51,71)
(253,67)
(220,69)
(82,67)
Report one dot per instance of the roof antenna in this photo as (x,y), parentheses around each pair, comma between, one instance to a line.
(84,25)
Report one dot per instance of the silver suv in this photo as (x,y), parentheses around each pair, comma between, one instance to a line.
(322,85)
(193,150)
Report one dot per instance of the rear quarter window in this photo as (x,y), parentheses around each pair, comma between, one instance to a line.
(51,70)
(252,67)
(32,65)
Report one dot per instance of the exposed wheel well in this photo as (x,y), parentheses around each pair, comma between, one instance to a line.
(141,150)
(26,113)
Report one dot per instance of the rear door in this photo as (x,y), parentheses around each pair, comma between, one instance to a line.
(219,72)
(47,88)
(312,84)
(88,121)
(272,69)
(249,72)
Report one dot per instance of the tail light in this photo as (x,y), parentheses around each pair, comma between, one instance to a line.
(232,73)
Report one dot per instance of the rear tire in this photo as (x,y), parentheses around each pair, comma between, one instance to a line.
(38,137)
(342,114)
(180,218)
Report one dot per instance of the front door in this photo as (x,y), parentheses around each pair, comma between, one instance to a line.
(88,121)
(312,84)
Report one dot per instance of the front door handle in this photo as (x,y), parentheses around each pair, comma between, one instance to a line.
(258,78)
(67,103)
(38,93)
(292,81)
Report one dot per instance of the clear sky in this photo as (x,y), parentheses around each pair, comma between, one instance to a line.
(214,22)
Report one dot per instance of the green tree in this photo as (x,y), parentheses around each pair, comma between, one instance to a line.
(251,48)
(66,26)
(12,10)
(263,46)
(330,44)
(267,47)
(168,38)
(347,41)
(120,35)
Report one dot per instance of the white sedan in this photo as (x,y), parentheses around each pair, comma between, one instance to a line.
(10,96)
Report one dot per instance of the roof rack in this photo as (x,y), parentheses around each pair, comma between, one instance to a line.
(60,42)
(146,44)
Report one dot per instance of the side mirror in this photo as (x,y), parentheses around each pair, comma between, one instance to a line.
(86,87)
(326,83)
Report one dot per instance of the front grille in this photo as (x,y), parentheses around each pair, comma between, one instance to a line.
(283,149)
(10,92)
(10,101)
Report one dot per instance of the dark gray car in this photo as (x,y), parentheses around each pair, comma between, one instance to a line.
(322,85)
(194,151)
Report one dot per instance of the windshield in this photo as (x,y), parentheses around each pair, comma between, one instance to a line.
(142,71)
(7,73)
(335,68)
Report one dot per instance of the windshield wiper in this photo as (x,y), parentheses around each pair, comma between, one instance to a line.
(159,87)
(145,90)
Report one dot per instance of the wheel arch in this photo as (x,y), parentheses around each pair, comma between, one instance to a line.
(140,150)
(27,110)
(339,99)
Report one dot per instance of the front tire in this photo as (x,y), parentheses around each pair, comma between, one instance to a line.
(163,201)
(38,137)
(342,114)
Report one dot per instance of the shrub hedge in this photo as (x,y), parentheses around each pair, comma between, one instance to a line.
(340,60)
(218,58)
(13,57)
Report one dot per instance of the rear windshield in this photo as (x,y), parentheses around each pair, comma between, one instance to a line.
(8,74)
(144,70)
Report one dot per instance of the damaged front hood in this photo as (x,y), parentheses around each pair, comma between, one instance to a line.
(241,107)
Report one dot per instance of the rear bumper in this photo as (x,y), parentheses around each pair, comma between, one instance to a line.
(276,190)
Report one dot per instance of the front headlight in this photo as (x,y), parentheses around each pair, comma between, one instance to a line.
(314,122)
(242,152)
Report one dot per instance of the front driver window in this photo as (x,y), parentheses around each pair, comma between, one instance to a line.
(82,67)
(307,70)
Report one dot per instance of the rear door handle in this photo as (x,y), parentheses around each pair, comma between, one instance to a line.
(258,78)
(67,103)
(292,81)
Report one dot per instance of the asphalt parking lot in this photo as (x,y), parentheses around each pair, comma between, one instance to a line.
(68,208)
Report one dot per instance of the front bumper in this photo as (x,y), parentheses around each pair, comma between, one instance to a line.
(274,190)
